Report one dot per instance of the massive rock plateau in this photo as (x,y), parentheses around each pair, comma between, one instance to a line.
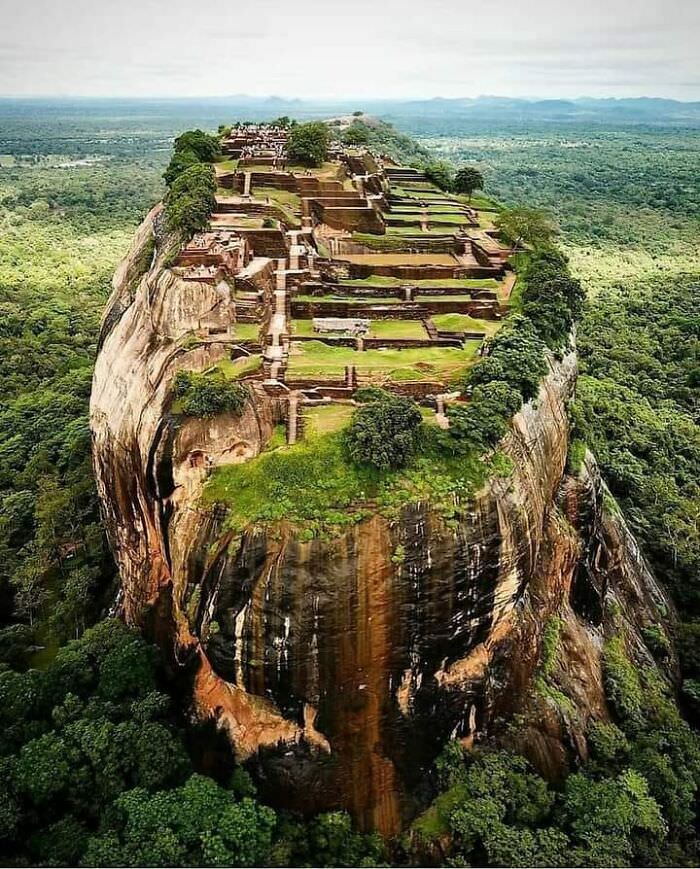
(337,668)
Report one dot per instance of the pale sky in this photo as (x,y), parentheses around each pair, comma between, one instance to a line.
(350,48)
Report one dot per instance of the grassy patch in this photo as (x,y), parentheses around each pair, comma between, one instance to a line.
(577,453)
(286,200)
(435,820)
(327,418)
(424,283)
(236,368)
(465,323)
(397,329)
(313,484)
(247,331)
(316,359)
(431,232)
(421,297)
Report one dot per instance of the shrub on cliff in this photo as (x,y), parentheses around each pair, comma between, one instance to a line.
(308,144)
(525,225)
(207,395)
(192,147)
(516,355)
(191,200)
(483,421)
(440,174)
(383,433)
(356,134)
(179,162)
(206,147)
(552,298)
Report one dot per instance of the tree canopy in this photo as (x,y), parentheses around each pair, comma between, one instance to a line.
(308,143)
(190,148)
(525,225)
(440,174)
(191,200)
(383,432)
(467,180)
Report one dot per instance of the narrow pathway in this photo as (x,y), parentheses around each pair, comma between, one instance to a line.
(275,351)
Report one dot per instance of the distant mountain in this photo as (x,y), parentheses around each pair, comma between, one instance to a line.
(417,116)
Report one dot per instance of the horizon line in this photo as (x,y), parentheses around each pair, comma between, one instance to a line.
(338,100)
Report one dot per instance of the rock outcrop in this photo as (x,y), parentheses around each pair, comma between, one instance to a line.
(337,668)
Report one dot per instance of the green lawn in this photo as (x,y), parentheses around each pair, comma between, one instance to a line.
(426,298)
(326,418)
(415,210)
(379,329)
(235,368)
(465,323)
(247,331)
(304,328)
(284,197)
(397,329)
(313,484)
(227,165)
(316,359)
(354,300)
(434,232)
(387,242)
(386,281)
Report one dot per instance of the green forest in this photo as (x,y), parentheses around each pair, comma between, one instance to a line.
(98,766)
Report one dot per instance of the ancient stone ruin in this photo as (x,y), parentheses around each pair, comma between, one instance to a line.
(336,667)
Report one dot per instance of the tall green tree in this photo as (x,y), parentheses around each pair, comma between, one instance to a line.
(191,200)
(525,225)
(467,180)
(308,144)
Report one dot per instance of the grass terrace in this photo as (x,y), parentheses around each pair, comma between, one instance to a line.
(286,198)
(406,259)
(397,329)
(328,171)
(425,297)
(415,191)
(313,483)
(431,232)
(351,300)
(234,369)
(314,359)
(424,283)
(247,331)
(435,209)
(326,418)
(465,323)
(221,218)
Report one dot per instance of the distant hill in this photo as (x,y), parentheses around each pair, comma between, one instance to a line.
(416,116)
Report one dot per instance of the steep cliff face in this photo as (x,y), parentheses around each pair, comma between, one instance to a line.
(337,668)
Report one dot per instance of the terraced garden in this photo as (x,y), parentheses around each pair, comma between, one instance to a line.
(314,359)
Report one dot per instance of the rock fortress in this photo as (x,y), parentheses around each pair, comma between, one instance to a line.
(329,625)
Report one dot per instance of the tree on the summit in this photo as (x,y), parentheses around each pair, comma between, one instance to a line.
(192,147)
(191,200)
(179,162)
(206,147)
(467,180)
(439,174)
(383,433)
(525,225)
(308,144)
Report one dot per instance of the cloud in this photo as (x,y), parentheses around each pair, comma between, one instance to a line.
(366,48)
